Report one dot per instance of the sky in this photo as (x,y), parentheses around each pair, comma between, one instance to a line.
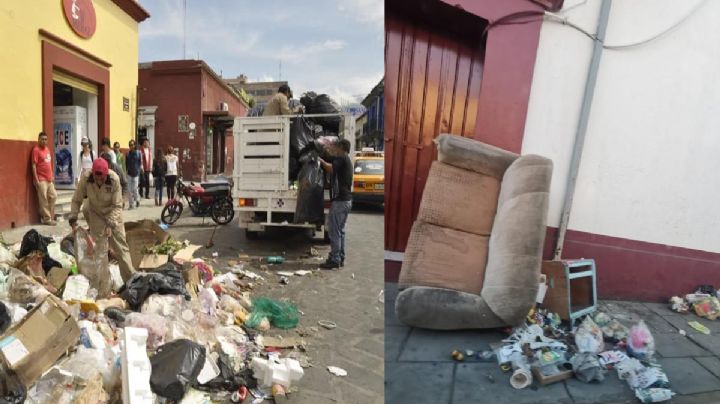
(327,46)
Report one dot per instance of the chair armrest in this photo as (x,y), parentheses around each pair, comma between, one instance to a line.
(473,155)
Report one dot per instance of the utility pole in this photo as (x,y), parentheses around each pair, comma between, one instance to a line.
(184,27)
(280,70)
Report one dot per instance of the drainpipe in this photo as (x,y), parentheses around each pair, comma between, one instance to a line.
(582,125)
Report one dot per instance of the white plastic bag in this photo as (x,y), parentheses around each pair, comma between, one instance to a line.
(6,256)
(641,343)
(67,261)
(589,337)
(92,260)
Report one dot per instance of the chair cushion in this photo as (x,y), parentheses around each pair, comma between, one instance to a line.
(459,199)
(444,258)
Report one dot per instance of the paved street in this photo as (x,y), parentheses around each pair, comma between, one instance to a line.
(419,368)
(348,297)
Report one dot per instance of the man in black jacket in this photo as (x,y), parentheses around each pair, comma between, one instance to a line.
(341,195)
(133,162)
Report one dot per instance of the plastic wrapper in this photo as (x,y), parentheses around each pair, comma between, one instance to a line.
(679,304)
(708,307)
(6,256)
(589,337)
(167,281)
(86,363)
(228,380)
(23,289)
(92,261)
(175,366)
(653,395)
(641,343)
(615,330)
(34,241)
(587,368)
(155,325)
(311,182)
(280,314)
(168,306)
(67,261)
(4,281)
(205,271)
(231,305)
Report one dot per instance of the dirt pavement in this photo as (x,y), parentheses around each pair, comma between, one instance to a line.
(348,297)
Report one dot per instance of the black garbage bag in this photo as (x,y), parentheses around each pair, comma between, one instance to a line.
(12,390)
(4,318)
(117,315)
(301,136)
(311,181)
(34,241)
(67,245)
(322,104)
(227,380)
(166,281)
(175,366)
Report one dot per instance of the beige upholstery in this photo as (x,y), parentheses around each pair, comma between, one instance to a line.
(454,276)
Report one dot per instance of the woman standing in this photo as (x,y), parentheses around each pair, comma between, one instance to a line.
(87,156)
(173,170)
(158,171)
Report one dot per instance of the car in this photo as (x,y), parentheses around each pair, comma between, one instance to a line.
(369,177)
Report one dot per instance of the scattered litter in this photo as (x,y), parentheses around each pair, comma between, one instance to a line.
(285,273)
(654,395)
(215,254)
(589,337)
(284,280)
(327,324)
(337,371)
(457,355)
(683,332)
(302,272)
(381,296)
(699,327)
(641,343)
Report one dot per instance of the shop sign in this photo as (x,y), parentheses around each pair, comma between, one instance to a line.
(80,14)
(126,104)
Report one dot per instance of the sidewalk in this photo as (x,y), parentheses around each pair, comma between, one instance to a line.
(419,369)
(147,210)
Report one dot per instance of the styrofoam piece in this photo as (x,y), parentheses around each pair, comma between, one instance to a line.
(284,371)
(76,288)
(136,367)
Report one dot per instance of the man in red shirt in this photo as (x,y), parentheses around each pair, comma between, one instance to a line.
(43,180)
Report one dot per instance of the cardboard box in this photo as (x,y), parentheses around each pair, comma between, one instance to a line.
(34,344)
(141,234)
(152,261)
(57,276)
(557,375)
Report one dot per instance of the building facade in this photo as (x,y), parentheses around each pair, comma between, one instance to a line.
(261,91)
(640,108)
(184,104)
(70,71)
(373,129)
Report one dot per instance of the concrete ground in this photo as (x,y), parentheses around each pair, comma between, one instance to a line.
(418,367)
(348,297)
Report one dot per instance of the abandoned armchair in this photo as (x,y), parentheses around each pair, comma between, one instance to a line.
(474,253)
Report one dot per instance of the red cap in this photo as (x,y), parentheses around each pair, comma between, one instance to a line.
(100,166)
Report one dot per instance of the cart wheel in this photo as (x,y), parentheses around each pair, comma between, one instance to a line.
(222,211)
(171,213)
(252,235)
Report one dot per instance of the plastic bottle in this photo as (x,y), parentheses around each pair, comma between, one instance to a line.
(275,259)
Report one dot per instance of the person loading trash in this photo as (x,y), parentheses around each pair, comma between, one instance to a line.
(341,170)
(278,104)
(103,211)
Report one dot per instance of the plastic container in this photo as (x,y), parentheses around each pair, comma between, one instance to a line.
(521,378)
(275,259)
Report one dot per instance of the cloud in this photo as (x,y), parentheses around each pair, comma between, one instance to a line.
(364,11)
(333,44)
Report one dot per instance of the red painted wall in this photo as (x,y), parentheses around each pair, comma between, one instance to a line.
(18,201)
(175,91)
(442,78)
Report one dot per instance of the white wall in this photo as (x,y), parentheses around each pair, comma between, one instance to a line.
(651,168)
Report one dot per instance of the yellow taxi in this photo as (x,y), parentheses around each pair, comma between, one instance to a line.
(369,176)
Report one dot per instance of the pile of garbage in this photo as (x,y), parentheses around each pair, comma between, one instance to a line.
(182,332)
(547,351)
(704,303)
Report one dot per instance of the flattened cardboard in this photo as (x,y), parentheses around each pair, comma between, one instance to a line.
(152,261)
(143,233)
(57,276)
(186,254)
(45,333)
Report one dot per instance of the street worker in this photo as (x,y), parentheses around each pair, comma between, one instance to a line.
(103,211)
(341,196)
(278,104)
(42,172)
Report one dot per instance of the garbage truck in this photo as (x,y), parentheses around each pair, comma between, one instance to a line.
(265,183)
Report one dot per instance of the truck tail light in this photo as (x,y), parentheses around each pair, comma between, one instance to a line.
(244,202)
